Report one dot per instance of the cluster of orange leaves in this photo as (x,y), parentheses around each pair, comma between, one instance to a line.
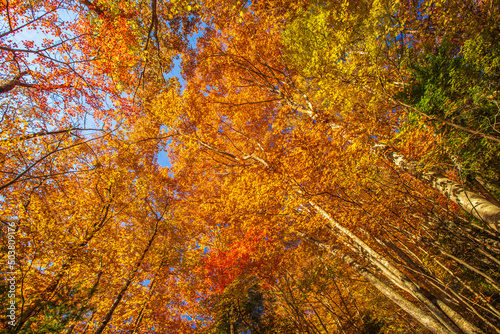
(222,267)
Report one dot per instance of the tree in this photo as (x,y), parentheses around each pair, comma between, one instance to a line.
(79,194)
(253,139)
(294,201)
(110,238)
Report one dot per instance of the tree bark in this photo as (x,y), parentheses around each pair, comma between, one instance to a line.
(392,273)
(422,317)
(473,203)
(479,184)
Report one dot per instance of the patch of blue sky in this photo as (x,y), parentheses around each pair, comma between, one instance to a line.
(31,32)
(163,159)
(176,72)
(145,282)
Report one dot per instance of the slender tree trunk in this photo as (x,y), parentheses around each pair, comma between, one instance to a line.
(391,272)
(83,307)
(88,323)
(463,324)
(140,316)
(422,317)
(473,203)
(113,307)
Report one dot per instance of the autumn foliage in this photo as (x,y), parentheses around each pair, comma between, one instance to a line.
(316,167)
(223,267)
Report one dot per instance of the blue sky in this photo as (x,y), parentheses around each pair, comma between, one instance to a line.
(176,72)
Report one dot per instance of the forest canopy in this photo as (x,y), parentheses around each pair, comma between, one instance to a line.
(311,166)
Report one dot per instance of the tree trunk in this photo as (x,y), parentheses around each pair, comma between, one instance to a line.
(395,275)
(473,203)
(422,317)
